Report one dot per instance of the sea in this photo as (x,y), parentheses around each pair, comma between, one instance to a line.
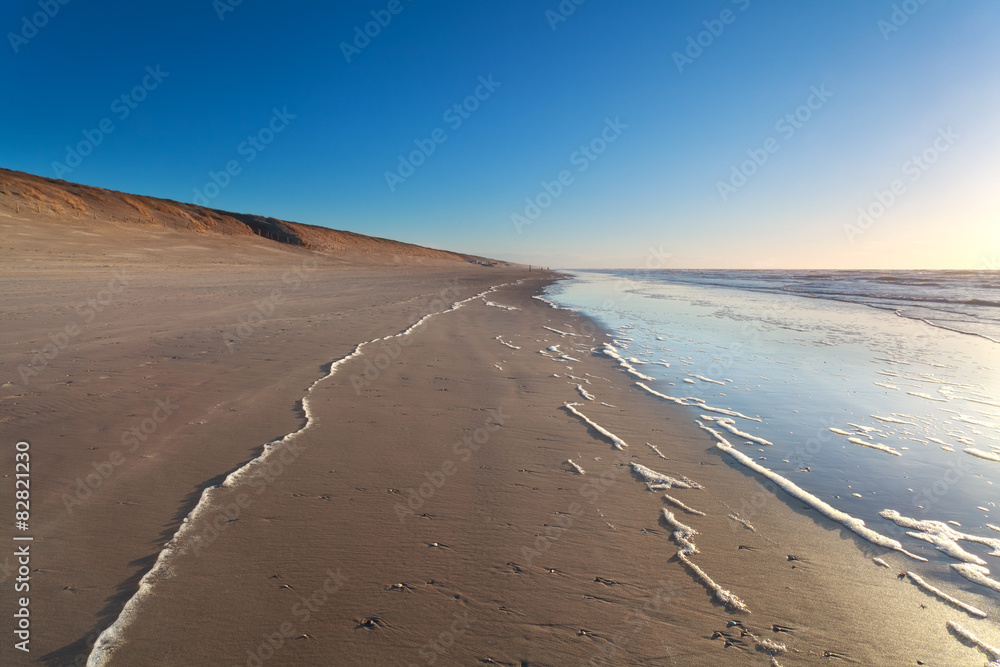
(873,396)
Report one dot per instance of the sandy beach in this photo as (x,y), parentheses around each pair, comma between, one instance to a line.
(433,501)
(500,333)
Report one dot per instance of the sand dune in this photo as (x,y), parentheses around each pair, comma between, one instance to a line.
(28,194)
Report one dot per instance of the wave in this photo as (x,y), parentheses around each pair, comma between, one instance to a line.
(968,294)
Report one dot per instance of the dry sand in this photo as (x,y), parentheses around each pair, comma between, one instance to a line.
(327,554)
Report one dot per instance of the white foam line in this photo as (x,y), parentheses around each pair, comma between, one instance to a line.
(948,547)
(577,468)
(991,651)
(943,536)
(977,574)
(958,331)
(561,333)
(873,445)
(944,596)
(610,351)
(660,481)
(730,425)
(705,379)
(111,637)
(726,597)
(772,648)
(979,453)
(660,454)
(698,403)
(584,392)
(615,440)
(992,527)
(920,394)
(551,304)
(853,523)
(499,305)
(738,519)
(892,420)
(674,501)
(966,419)
(503,342)
(678,401)
(682,533)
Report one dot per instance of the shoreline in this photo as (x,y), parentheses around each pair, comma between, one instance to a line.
(431,514)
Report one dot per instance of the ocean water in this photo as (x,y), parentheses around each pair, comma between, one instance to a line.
(877,395)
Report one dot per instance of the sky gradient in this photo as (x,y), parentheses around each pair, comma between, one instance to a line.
(722,134)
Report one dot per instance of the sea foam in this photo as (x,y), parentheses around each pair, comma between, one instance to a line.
(610,351)
(944,596)
(658,481)
(617,442)
(991,651)
(683,535)
(853,523)
(696,402)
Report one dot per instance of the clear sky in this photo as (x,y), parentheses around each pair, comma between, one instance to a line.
(722,133)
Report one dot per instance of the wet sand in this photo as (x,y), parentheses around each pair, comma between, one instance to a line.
(427,515)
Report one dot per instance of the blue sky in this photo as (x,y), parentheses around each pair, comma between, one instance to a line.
(667,124)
